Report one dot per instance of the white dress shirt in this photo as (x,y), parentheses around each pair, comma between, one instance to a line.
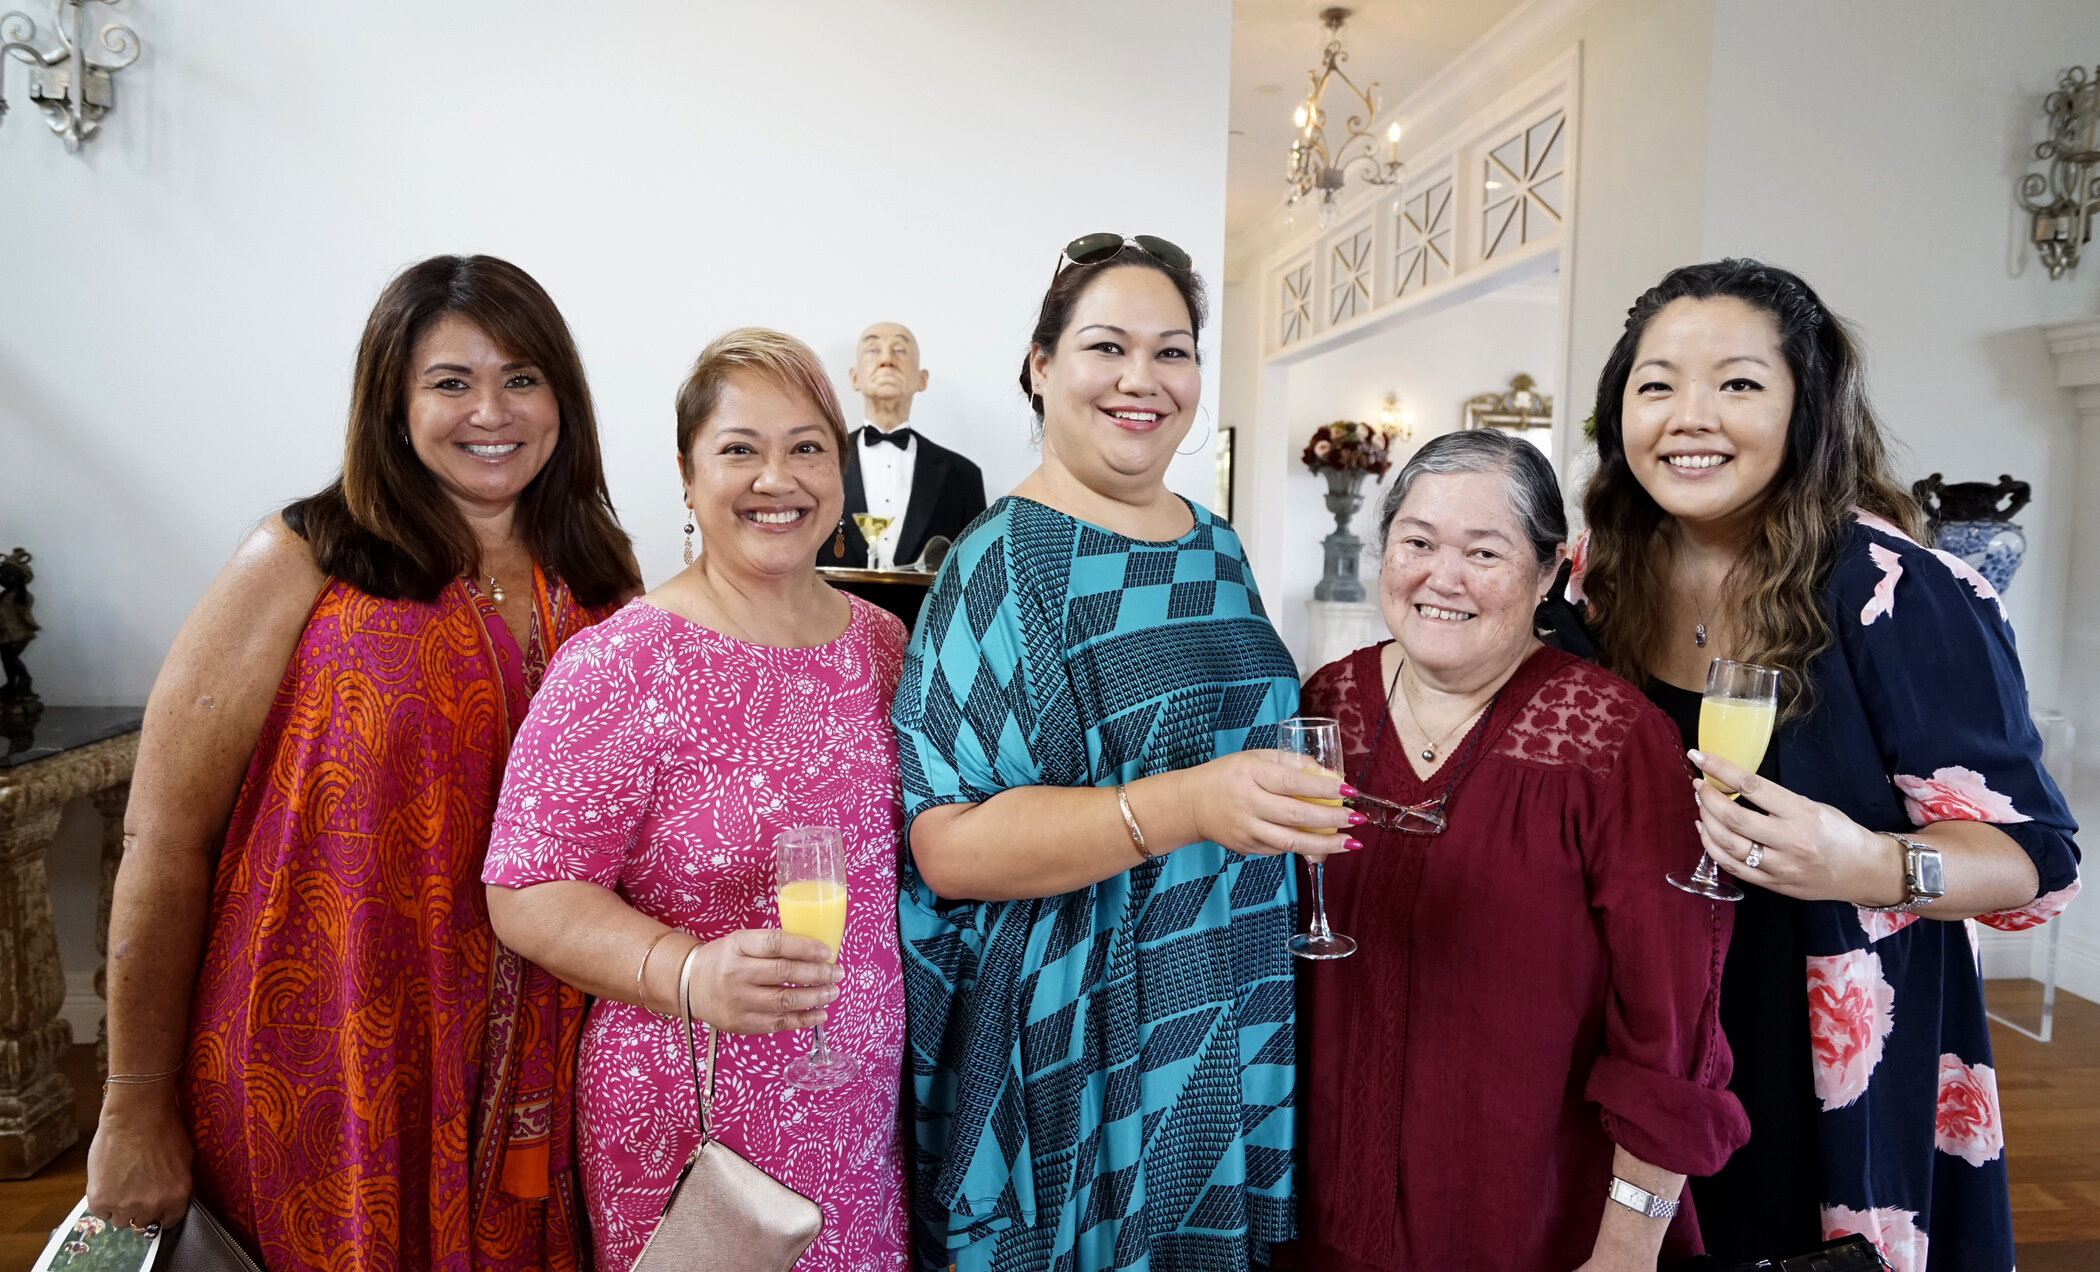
(885,476)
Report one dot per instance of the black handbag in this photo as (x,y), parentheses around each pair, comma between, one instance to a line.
(1845,1254)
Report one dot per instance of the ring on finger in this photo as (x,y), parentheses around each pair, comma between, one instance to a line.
(1757,854)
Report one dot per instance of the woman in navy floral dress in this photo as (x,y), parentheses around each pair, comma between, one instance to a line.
(1743,508)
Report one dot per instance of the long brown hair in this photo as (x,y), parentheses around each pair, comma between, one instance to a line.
(385,526)
(1836,459)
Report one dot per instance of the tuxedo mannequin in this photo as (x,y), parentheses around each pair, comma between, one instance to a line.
(926,489)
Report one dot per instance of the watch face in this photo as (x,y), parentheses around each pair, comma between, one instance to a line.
(1928,879)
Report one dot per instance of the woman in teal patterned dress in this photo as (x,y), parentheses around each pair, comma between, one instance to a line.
(1097,897)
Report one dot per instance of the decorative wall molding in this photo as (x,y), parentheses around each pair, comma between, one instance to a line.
(2076,347)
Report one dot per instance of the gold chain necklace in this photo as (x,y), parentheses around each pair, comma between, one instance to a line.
(1428,753)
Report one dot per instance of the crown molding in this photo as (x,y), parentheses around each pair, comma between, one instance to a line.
(2076,348)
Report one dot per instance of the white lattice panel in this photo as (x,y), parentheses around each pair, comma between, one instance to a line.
(1523,186)
(1349,265)
(1422,228)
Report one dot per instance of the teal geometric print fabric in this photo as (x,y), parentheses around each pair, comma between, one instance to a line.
(1102,1079)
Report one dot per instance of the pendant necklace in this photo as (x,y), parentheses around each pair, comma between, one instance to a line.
(1428,753)
(496,592)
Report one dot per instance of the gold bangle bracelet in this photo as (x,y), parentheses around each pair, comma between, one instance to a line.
(1130,823)
(644,965)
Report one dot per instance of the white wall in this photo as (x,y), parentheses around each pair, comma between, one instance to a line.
(1434,363)
(183,299)
(1874,147)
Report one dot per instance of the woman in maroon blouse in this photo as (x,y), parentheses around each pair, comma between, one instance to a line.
(1530,1013)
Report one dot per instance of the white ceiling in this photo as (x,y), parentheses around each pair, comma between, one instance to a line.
(1276,43)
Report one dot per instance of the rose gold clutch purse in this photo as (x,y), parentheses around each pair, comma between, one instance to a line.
(724,1214)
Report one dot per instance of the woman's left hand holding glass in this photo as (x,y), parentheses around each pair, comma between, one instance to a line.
(1795,846)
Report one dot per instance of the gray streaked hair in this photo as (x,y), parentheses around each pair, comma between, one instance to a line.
(1534,492)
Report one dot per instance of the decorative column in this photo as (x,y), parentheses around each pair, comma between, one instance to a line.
(37,1120)
(2076,346)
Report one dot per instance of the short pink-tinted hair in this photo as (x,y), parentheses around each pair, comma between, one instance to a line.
(775,355)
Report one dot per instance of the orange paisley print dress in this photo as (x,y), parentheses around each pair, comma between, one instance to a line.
(372,1081)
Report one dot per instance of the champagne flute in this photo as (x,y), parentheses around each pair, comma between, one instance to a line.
(811,890)
(1735,722)
(1319,741)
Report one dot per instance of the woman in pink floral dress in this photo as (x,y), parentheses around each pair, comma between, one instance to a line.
(664,752)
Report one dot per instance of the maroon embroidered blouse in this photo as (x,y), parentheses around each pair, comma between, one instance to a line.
(1527,990)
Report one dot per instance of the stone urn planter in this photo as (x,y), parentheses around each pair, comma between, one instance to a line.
(1339,580)
(1974,521)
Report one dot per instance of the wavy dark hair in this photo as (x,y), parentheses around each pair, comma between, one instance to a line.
(1836,459)
(386,527)
(1055,313)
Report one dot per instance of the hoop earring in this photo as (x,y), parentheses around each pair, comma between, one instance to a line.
(689,535)
(1208,428)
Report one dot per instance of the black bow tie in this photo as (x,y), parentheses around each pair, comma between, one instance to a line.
(899,437)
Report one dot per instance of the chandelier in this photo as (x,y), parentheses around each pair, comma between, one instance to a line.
(1317,166)
(2062,204)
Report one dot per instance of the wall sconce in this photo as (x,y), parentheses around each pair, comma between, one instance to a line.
(2063,200)
(1396,421)
(73,92)
(1520,409)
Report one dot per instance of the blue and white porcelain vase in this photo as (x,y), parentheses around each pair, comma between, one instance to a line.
(1973,520)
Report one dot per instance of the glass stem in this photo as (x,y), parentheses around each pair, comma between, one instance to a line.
(1706,871)
(817,1050)
(1319,916)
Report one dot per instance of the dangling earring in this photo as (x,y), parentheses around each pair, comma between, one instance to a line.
(689,535)
(1207,430)
(838,540)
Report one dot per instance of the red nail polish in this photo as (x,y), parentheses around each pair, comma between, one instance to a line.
(1357,819)
(1349,792)
(1351,845)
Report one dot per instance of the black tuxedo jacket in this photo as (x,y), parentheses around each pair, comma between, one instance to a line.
(947,493)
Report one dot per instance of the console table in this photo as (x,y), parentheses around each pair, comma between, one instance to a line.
(73,751)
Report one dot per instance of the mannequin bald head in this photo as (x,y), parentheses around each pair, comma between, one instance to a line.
(886,373)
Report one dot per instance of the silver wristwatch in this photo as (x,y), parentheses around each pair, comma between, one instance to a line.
(1639,1200)
(1924,877)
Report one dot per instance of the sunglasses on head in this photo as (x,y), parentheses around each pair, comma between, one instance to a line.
(1089,248)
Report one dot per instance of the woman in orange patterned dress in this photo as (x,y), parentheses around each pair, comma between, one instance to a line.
(310,1022)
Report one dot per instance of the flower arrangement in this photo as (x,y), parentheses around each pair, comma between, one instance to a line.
(1346,446)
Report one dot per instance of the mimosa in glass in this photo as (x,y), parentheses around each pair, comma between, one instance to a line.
(1320,741)
(811,890)
(1735,722)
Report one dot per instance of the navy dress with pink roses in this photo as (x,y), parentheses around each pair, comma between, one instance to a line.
(1889,1125)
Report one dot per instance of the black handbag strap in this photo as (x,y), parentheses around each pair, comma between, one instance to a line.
(703,1087)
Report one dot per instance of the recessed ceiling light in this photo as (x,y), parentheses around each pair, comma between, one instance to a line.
(1267,90)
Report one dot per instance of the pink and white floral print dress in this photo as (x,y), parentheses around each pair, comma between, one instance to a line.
(659,760)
